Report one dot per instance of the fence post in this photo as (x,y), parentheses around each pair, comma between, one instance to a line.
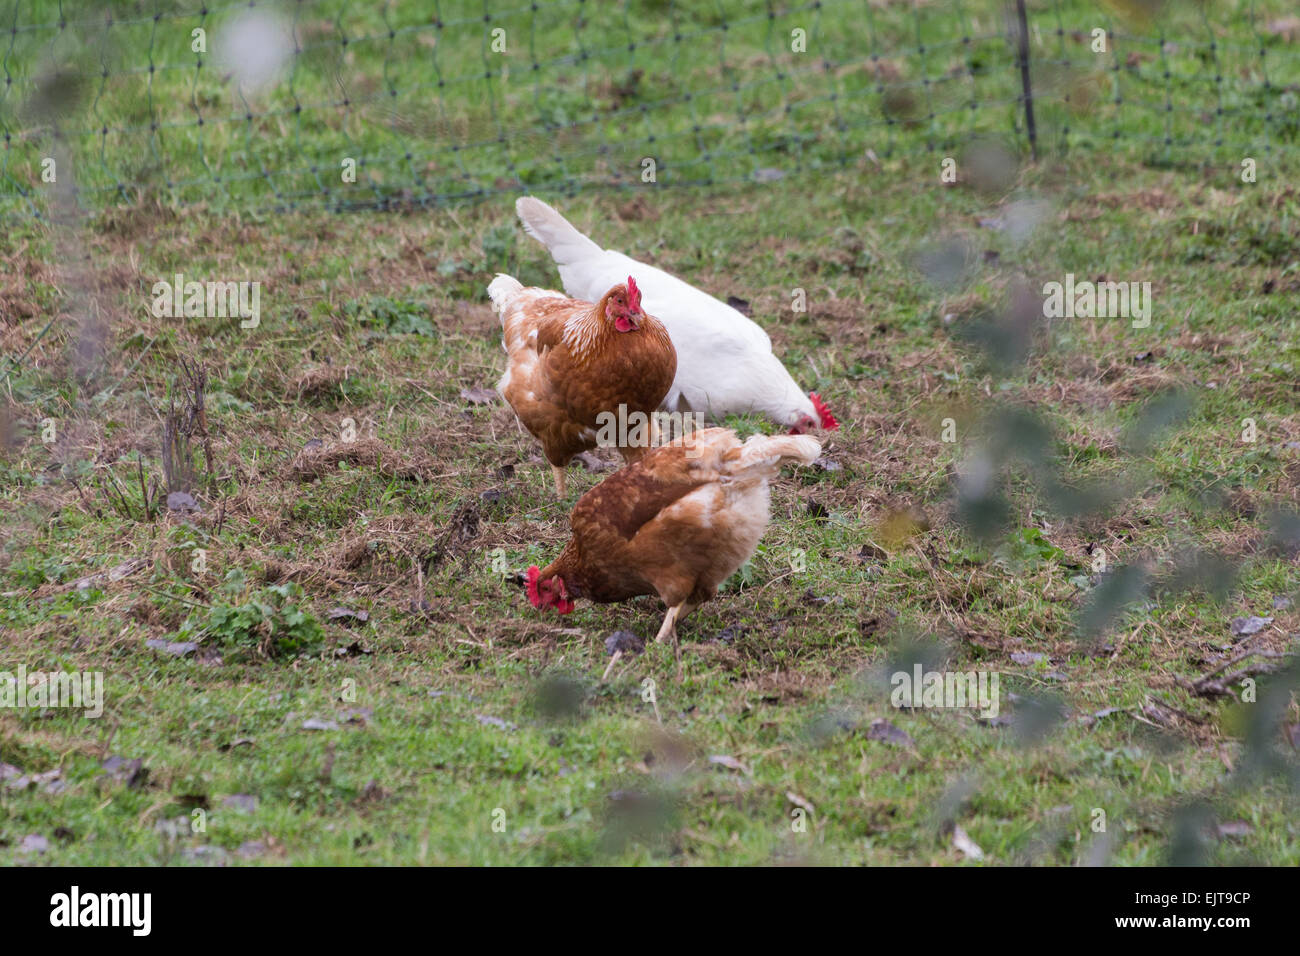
(1027,93)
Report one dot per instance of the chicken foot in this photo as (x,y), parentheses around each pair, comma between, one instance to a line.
(669,628)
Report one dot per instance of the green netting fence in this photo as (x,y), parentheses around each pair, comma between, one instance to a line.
(268,107)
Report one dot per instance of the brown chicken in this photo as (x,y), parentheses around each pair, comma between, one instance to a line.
(572,362)
(677,524)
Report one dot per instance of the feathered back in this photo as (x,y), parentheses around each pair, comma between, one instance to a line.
(686,515)
(634,495)
(724,359)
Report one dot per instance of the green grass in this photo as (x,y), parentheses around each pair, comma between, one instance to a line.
(439,714)
(583,93)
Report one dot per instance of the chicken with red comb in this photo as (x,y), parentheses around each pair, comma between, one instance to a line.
(725,363)
(676,523)
(572,363)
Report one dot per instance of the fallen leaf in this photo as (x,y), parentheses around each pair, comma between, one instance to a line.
(1001,720)
(250,849)
(731,763)
(883,730)
(130,772)
(1235,828)
(728,635)
(214,855)
(801,802)
(175,828)
(115,573)
(174,648)
(243,802)
(51,781)
(315,723)
(33,843)
(624,641)
(345,615)
(1159,715)
(870,552)
(1246,626)
(1026,657)
(478,396)
(352,650)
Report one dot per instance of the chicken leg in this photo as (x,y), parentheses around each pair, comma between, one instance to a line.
(558,472)
(669,627)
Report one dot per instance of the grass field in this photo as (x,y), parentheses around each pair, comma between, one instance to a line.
(356,467)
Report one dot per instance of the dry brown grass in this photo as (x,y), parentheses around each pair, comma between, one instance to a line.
(315,383)
(371,453)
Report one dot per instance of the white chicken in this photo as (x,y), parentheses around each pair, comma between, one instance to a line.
(725,363)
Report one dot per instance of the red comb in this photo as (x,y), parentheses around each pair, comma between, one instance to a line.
(824,413)
(633,293)
(534,596)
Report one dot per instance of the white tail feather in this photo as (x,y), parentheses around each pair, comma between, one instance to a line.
(803,448)
(566,244)
(762,456)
